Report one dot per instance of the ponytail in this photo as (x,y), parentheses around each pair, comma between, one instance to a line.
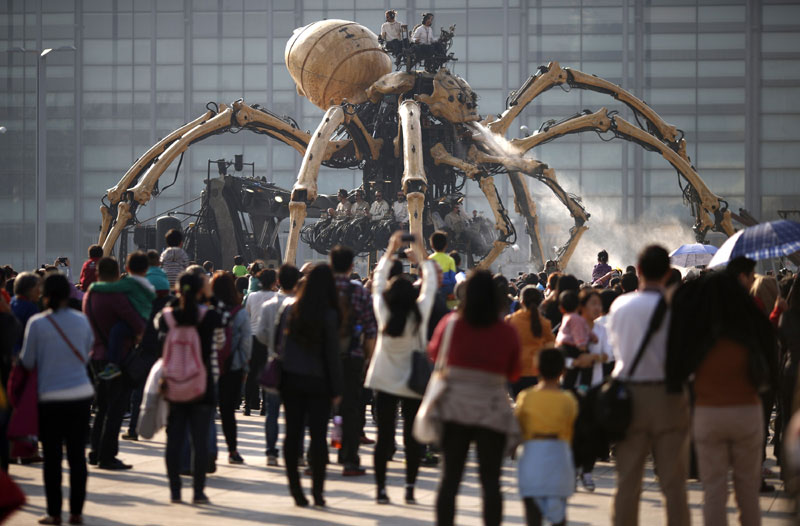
(189,286)
(532,297)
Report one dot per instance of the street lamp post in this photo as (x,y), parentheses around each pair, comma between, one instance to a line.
(41,146)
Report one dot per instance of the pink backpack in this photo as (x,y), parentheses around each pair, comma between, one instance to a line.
(184,375)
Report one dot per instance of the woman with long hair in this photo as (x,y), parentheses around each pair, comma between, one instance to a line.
(194,416)
(57,344)
(233,356)
(311,381)
(482,357)
(719,335)
(535,334)
(402,315)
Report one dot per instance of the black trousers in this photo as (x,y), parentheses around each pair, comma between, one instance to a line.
(252,391)
(456,440)
(352,410)
(136,403)
(386,407)
(197,417)
(60,424)
(113,397)
(230,390)
(301,407)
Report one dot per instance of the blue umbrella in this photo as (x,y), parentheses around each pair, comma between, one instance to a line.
(692,255)
(761,241)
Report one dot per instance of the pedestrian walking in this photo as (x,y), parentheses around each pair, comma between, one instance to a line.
(57,344)
(483,358)
(311,381)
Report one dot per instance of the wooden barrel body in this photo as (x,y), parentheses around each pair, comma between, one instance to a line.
(333,60)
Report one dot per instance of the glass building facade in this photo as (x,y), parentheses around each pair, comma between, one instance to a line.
(727,72)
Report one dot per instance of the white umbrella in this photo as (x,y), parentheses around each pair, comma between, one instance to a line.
(692,255)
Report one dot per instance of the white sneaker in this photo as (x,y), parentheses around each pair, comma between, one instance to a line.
(272,461)
(587,482)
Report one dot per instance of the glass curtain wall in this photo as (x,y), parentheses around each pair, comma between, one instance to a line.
(727,72)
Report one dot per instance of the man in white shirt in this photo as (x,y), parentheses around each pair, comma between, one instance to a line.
(379,209)
(423,33)
(288,276)
(660,420)
(391,32)
(400,208)
(258,356)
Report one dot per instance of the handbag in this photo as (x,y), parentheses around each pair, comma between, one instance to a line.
(427,424)
(613,407)
(136,365)
(421,369)
(270,377)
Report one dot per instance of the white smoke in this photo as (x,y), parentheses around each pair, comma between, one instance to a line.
(623,241)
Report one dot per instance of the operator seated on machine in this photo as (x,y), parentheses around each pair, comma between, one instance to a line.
(400,209)
(379,209)
(425,45)
(343,209)
(457,221)
(392,33)
(360,208)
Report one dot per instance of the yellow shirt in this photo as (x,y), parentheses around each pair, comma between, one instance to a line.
(545,412)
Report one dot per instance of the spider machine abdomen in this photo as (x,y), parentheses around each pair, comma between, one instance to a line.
(334,60)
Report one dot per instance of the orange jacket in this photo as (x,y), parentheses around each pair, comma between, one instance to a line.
(531,345)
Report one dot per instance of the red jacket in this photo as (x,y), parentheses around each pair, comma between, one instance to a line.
(106,310)
(88,273)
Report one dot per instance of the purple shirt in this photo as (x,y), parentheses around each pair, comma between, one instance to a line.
(600,270)
(107,308)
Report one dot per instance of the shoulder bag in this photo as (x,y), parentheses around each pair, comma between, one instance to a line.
(613,408)
(421,368)
(427,424)
(270,377)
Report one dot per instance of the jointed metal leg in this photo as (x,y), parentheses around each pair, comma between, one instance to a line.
(415,182)
(305,189)
(105,213)
(123,216)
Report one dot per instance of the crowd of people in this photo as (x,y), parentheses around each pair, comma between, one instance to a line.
(704,362)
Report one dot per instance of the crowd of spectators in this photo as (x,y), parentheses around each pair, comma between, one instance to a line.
(707,361)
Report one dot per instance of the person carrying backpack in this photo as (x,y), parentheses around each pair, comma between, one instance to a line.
(191,335)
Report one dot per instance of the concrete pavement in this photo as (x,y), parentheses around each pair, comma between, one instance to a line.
(252,493)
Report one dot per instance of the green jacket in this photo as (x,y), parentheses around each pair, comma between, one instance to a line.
(138,290)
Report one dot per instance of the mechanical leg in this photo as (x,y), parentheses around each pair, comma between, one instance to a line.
(546,175)
(123,216)
(304,191)
(415,183)
(527,209)
(501,221)
(144,189)
(473,171)
(105,213)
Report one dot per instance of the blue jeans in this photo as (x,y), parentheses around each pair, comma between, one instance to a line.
(273,402)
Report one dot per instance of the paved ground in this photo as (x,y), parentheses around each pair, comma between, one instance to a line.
(253,493)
